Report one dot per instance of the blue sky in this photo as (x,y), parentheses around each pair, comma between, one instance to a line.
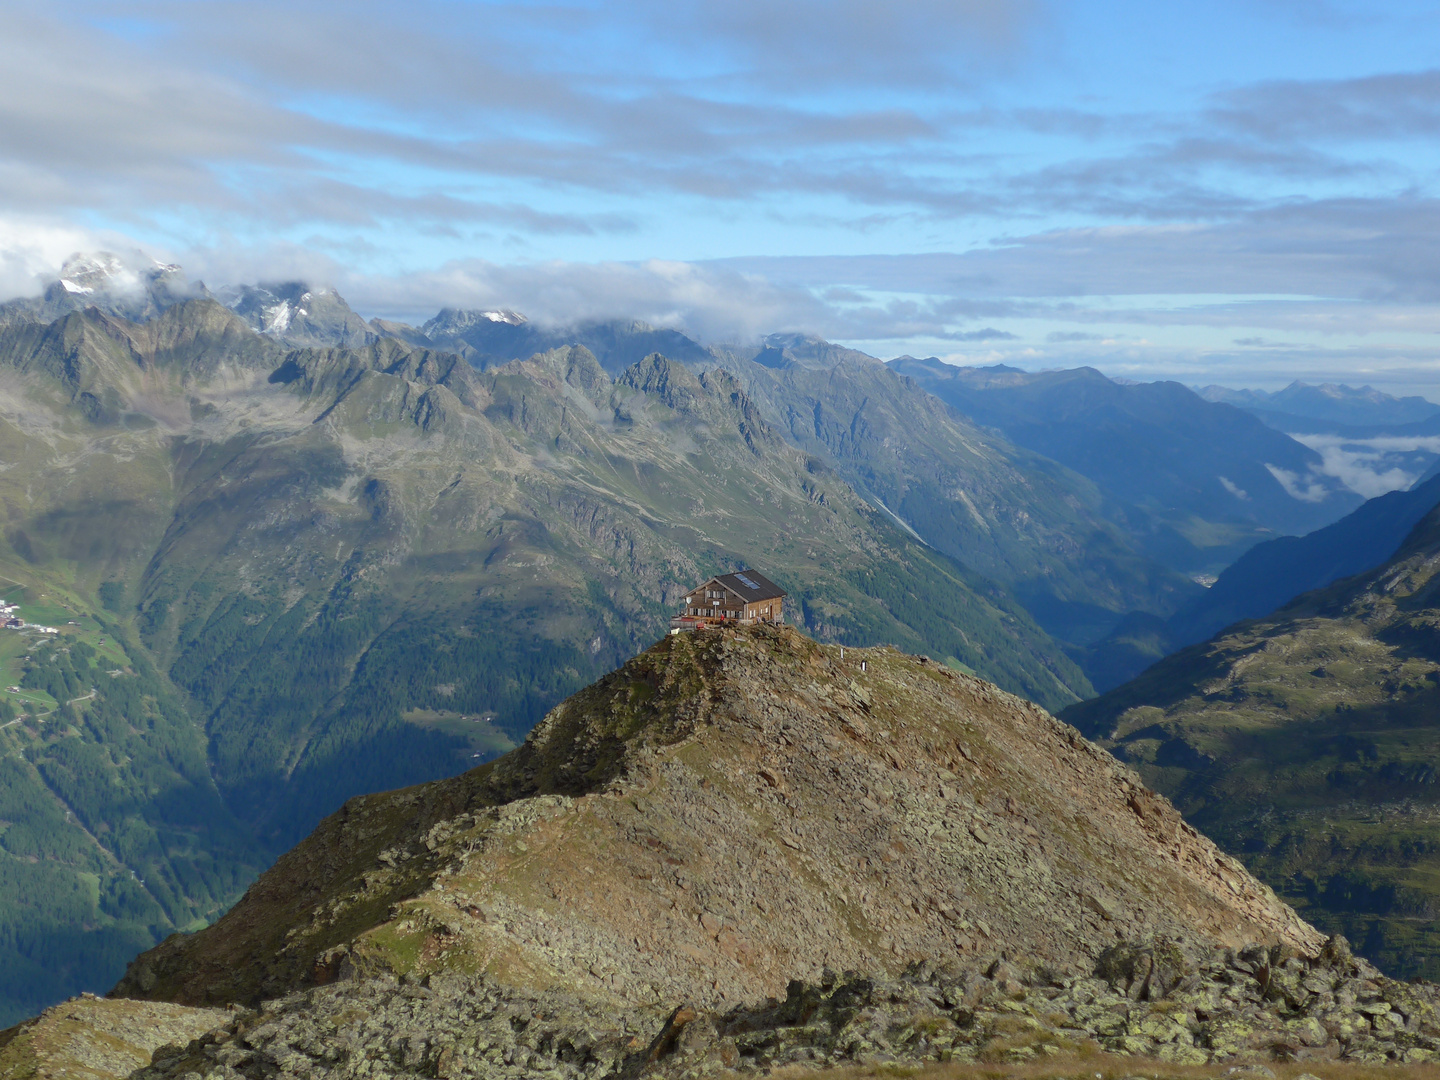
(1242,193)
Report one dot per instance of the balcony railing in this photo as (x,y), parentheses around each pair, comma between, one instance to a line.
(699,622)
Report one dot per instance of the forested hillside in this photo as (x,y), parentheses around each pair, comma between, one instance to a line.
(112,833)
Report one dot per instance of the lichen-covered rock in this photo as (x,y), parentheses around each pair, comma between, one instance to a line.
(453,1026)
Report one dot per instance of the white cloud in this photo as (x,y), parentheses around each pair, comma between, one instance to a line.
(1235,489)
(1306,490)
(713,303)
(1374,466)
(31,252)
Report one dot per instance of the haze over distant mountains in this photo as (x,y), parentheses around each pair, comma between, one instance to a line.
(1371,441)
(1336,403)
(1190,463)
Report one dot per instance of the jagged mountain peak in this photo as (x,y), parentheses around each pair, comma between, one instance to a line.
(131,286)
(657,373)
(573,365)
(299,313)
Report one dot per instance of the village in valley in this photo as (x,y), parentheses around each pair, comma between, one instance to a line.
(10,620)
(28,618)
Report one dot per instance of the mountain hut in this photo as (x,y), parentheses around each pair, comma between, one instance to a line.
(741,598)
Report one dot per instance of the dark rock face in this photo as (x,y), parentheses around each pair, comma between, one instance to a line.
(1254,1005)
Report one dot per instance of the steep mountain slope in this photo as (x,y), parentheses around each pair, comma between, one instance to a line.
(319,572)
(528,540)
(1019,518)
(1305,742)
(112,830)
(730,810)
(1041,531)
(1271,574)
(1212,478)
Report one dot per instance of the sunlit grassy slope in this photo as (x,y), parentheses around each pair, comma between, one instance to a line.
(1308,744)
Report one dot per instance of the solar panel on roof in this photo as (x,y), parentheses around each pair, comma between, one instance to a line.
(748,583)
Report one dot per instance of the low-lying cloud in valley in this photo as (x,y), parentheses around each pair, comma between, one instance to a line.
(1373,466)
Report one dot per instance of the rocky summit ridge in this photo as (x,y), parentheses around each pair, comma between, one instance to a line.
(728,811)
(744,850)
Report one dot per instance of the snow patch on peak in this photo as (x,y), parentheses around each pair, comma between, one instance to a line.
(277,317)
(504,315)
(101,271)
(452,322)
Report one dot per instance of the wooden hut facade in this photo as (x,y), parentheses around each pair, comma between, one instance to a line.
(741,598)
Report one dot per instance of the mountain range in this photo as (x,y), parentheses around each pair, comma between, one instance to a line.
(1347,406)
(291,556)
(288,575)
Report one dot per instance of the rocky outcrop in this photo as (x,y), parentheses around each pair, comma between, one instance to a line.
(1260,1004)
(90,1038)
(729,811)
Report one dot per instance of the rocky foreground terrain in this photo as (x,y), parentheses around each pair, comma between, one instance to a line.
(1231,1012)
(742,851)
(1265,1003)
